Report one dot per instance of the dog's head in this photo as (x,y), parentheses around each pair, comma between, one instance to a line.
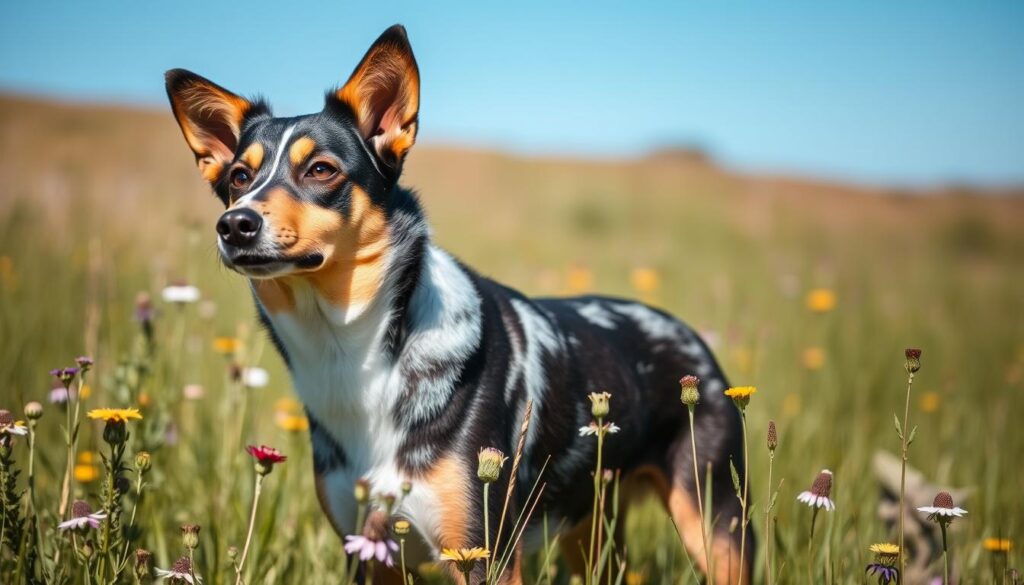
(306,196)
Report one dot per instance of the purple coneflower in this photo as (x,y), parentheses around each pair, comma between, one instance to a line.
(942,509)
(82,518)
(369,548)
(819,494)
(181,572)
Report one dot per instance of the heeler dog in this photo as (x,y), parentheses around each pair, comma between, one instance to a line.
(408,361)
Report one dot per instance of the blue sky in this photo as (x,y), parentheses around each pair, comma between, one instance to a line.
(909,92)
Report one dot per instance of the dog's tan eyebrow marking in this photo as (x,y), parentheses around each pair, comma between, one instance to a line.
(300,150)
(253,156)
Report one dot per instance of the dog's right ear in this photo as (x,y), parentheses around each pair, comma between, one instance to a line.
(210,117)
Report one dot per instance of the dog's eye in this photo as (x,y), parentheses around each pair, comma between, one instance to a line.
(321,171)
(240,178)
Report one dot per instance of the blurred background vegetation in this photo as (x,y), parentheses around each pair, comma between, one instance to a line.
(808,290)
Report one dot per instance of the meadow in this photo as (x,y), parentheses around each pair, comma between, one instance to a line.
(808,290)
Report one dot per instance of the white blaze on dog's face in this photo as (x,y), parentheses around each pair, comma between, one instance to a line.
(308,198)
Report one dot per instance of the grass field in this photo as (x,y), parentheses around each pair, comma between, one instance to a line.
(99,204)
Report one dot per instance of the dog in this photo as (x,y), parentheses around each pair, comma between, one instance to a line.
(408,361)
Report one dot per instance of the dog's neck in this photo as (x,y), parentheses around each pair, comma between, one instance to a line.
(348,360)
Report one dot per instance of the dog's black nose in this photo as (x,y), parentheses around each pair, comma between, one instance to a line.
(239,227)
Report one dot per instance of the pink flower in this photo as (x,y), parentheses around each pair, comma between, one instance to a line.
(369,548)
(82,517)
(265,455)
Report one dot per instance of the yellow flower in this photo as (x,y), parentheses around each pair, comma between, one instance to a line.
(115,414)
(930,401)
(227,345)
(287,405)
(86,391)
(465,558)
(998,544)
(814,358)
(635,578)
(644,280)
(821,300)
(86,473)
(144,399)
(579,279)
(87,457)
(291,422)
(741,395)
(885,548)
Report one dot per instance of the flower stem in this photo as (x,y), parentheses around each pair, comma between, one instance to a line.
(700,500)
(252,524)
(810,548)
(487,533)
(743,502)
(769,535)
(597,495)
(401,553)
(903,472)
(945,555)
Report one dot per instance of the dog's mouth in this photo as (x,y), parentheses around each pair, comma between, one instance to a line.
(270,265)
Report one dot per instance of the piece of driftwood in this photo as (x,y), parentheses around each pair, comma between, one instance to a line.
(922,538)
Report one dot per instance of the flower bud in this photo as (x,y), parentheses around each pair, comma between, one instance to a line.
(913,356)
(388,501)
(402,527)
(143,462)
(87,549)
(33,411)
(690,395)
(190,536)
(232,553)
(84,362)
(599,404)
(143,566)
(115,432)
(607,476)
(362,491)
(773,436)
(490,462)
(406,488)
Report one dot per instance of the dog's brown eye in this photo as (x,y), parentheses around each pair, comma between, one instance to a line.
(321,171)
(240,178)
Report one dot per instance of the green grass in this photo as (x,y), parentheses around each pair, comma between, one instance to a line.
(100,204)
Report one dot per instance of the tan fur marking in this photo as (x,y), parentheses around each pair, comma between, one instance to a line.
(209,168)
(300,150)
(275,295)
(449,481)
(253,156)
(688,524)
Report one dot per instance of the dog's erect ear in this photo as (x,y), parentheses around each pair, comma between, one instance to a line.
(210,117)
(384,94)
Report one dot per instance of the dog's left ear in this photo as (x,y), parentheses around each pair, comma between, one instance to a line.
(384,95)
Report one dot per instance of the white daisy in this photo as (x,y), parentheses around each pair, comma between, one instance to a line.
(9,426)
(818,495)
(181,572)
(592,429)
(180,293)
(255,377)
(942,509)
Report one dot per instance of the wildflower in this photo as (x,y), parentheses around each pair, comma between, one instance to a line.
(592,429)
(181,572)
(60,395)
(361,491)
(227,345)
(465,558)
(142,461)
(942,509)
(490,462)
(180,294)
(115,414)
(813,358)
(291,422)
(82,518)
(255,377)
(821,300)
(913,356)
(644,280)
(33,410)
(402,527)
(689,395)
(232,553)
(997,545)
(406,487)
(9,426)
(886,556)
(930,402)
(773,436)
(369,548)
(819,494)
(580,279)
(599,404)
(84,362)
(192,391)
(86,473)
(741,395)
(190,536)
(65,375)
(266,458)
(143,563)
